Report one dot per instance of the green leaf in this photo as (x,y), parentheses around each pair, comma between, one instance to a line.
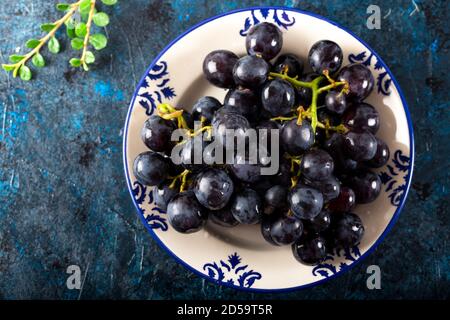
(25,73)
(53,45)
(77,43)
(70,33)
(8,67)
(70,23)
(85,6)
(14,58)
(74,62)
(32,43)
(81,29)
(85,15)
(90,58)
(47,27)
(101,19)
(109,2)
(62,6)
(98,41)
(38,60)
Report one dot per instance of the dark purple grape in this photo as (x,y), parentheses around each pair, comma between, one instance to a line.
(247,207)
(362,117)
(347,230)
(381,156)
(243,101)
(335,147)
(157,133)
(325,55)
(263,184)
(268,126)
(360,146)
(296,138)
(218,68)
(223,217)
(213,188)
(336,102)
(278,97)
(310,251)
(225,120)
(275,198)
(323,115)
(359,78)
(205,108)
(150,168)
(250,71)
(185,214)
(283,176)
(192,154)
(319,223)
(264,39)
(162,194)
(174,169)
(305,202)
(286,230)
(366,185)
(330,187)
(344,202)
(317,164)
(266,225)
(244,170)
(289,62)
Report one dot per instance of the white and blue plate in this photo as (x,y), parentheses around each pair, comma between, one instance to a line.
(239,257)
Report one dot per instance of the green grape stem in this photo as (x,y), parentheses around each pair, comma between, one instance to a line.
(73,8)
(311,113)
(183,178)
(86,37)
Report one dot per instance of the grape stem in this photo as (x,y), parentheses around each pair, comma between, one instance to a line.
(205,128)
(311,113)
(183,177)
(166,111)
(45,39)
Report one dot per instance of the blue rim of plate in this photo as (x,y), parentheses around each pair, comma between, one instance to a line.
(380,238)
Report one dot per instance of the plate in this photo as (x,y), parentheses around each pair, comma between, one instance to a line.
(239,257)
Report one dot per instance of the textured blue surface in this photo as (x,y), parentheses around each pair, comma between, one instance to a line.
(63,197)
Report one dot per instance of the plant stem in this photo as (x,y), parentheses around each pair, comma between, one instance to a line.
(330,86)
(86,37)
(313,108)
(293,81)
(316,90)
(48,36)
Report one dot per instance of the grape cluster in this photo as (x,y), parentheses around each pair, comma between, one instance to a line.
(327,145)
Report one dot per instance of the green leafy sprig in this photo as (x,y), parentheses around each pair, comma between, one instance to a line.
(78,19)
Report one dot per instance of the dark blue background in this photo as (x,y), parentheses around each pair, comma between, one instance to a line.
(63,196)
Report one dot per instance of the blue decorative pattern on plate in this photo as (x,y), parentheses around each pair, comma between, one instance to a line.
(232,272)
(154,219)
(396,177)
(249,269)
(327,269)
(155,88)
(283,20)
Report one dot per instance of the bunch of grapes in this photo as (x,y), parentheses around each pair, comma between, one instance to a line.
(327,145)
